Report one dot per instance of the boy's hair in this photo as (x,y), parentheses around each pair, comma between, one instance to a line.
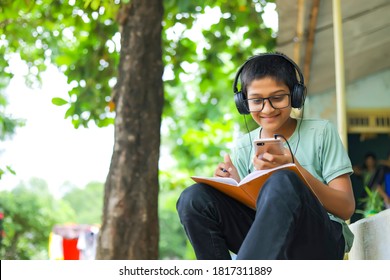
(274,66)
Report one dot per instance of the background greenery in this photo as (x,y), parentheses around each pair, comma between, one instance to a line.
(200,120)
(31,211)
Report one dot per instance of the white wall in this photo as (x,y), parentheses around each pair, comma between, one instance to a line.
(368,93)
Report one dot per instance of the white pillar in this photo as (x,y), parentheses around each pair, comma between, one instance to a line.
(339,71)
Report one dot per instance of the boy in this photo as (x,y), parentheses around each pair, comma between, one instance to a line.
(290,222)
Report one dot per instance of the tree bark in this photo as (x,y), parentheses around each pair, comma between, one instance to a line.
(130,216)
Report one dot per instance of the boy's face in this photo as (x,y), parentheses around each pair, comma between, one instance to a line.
(272,120)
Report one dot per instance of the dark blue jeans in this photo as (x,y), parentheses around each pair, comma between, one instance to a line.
(289,223)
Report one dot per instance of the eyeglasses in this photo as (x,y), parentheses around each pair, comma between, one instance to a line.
(277,102)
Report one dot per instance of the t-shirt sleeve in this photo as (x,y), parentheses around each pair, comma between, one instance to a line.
(335,159)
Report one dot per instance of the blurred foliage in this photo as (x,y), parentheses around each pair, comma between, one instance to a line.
(76,38)
(373,203)
(173,241)
(8,124)
(30,212)
(7,169)
(87,202)
(204,42)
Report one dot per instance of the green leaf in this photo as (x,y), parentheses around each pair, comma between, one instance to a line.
(69,112)
(87,3)
(59,101)
(95,4)
(11,170)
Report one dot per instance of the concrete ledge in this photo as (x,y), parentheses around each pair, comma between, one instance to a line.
(372,238)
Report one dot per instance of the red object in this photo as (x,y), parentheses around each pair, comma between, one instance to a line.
(70,249)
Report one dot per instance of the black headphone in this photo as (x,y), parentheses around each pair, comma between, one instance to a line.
(297,95)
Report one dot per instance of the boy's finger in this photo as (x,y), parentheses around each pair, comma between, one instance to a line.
(227,159)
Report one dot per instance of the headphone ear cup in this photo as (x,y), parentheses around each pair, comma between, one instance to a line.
(240,101)
(298,96)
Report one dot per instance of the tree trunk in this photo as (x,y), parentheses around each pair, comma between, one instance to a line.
(130,217)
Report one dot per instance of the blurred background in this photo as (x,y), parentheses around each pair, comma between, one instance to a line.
(60,86)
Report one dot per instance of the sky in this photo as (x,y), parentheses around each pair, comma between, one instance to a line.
(48,146)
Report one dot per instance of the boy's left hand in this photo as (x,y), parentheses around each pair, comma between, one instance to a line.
(268,160)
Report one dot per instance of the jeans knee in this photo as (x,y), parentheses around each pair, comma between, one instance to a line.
(284,182)
(192,199)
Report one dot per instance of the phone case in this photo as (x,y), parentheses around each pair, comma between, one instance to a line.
(270,145)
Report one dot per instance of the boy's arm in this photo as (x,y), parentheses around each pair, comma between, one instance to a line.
(337,197)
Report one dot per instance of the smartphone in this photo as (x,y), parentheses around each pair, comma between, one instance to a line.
(270,145)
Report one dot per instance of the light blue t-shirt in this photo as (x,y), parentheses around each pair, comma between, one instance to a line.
(316,145)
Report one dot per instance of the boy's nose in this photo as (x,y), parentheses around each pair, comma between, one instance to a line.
(267,106)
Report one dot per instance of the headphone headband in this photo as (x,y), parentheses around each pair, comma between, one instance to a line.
(297,95)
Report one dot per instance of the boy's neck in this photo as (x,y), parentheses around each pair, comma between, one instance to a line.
(287,130)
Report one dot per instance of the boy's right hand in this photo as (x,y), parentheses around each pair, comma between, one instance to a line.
(227,169)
